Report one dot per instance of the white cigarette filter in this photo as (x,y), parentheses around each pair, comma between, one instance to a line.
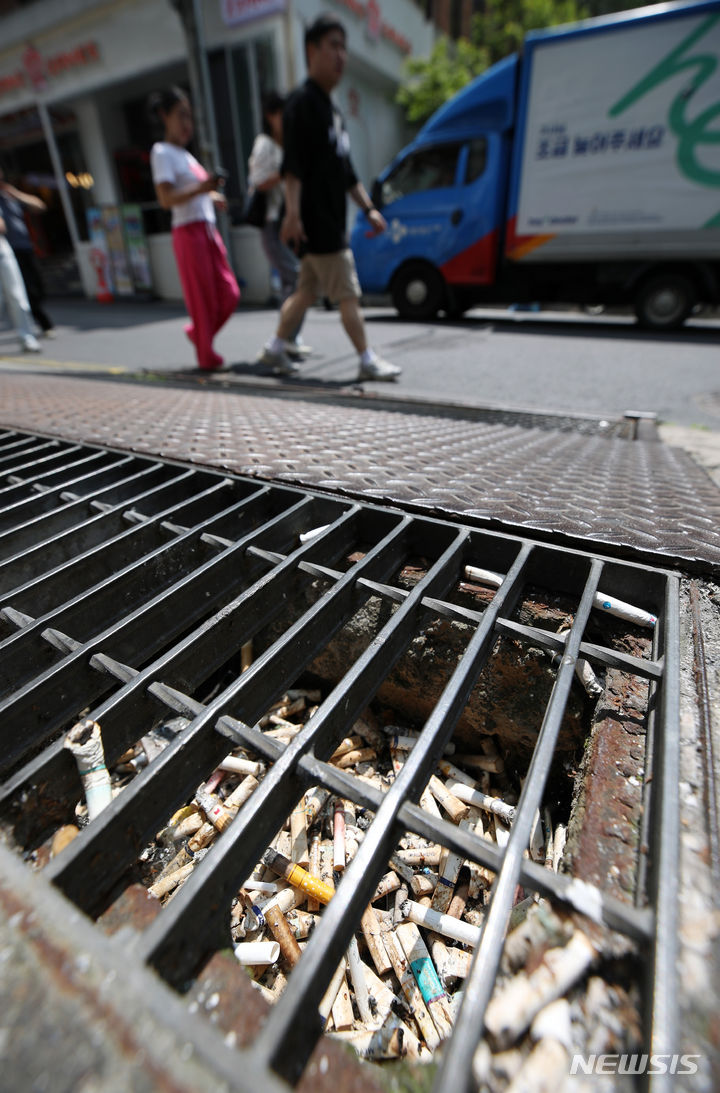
(482,800)
(235,764)
(257,952)
(446,925)
(85,742)
(609,604)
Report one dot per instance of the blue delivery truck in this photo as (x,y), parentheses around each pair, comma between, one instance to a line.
(584,170)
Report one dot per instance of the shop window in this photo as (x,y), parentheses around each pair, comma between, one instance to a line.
(477,158)
(429,169)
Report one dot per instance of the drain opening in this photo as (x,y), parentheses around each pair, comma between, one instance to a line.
(377,609)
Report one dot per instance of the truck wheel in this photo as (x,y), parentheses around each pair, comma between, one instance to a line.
(665,301)
(418,291)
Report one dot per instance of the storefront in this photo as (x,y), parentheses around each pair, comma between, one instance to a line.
(73,107)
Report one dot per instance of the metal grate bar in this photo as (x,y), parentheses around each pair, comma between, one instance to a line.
(41,519)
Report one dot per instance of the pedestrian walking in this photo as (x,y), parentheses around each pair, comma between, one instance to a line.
(12,204)
(184,186)
(318,173)
(14,294)
(264,176)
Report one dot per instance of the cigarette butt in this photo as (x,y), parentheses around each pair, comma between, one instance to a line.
(451,963)
(387,884)
(454,928)
(427,855)
(459,901)
(339,836)
(235,800)
(454,774)
(559,839)
(328,999)
(483,800)
(306,536)
(411,990)
(166,884)
(426,976)
(299,851)
(278,984)
(314,869)
(287,900)
(484,576)
(406,740)
(202,838)
(235,764)
(297,876)
(280,929)
(246,656)
(429,804)
(257,952)
(612,606)
(512,1009)
(85,742)
(392,1041)
(301,923)
(371,932)
(342,1011)
(448,873)
(494,764)
(456,808)
(423,884)
(366,728)
(350,743)
(62,838)
(360,755)
(187,827)
(400,896)
(359,982)
(397,759)
(314,801)
(380,995)
(215,811)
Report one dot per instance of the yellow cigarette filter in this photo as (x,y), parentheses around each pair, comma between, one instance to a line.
(297,876)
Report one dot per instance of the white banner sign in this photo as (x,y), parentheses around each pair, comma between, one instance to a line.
(235,12)
(623,130)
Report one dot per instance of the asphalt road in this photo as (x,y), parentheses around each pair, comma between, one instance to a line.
(551,361)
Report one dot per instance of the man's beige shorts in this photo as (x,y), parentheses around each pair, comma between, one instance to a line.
(331,275)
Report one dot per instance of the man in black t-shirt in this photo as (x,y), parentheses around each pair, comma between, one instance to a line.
(318,174)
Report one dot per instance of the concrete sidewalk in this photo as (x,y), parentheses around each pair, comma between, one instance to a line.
(143,337)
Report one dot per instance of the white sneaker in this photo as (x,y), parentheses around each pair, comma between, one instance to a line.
(378,369)
(279,362)
(298,351)
(30,344)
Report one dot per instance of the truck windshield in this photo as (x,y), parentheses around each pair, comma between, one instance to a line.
(427,169)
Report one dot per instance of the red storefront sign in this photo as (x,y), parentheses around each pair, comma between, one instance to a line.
(37,69)
(371,11)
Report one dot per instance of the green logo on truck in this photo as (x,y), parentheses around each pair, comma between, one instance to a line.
(692,133)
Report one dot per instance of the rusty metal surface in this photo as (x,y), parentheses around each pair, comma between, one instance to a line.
(638,496)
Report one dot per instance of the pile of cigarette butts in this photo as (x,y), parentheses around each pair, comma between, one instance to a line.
(397,991)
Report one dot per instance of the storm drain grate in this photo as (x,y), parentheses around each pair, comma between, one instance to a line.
(129,585)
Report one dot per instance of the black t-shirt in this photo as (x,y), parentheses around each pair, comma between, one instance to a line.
(317,151)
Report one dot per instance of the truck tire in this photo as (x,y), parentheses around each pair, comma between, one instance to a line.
(418,291)
(665,301)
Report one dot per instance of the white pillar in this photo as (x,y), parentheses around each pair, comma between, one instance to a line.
(98,160)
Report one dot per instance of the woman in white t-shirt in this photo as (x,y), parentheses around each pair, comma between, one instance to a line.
(185,187)
(264,174)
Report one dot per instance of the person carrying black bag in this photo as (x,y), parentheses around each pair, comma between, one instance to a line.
(266,183)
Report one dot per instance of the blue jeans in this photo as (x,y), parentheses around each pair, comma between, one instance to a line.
(282,259)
